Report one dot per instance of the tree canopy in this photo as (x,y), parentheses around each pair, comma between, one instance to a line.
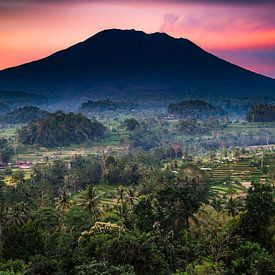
(261,113)
(60,129)
(24,115)
(194,108)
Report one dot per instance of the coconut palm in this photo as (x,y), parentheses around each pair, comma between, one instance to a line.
(2,222)
(131,197)
(72,182)
(91,201)
(16,215)
(120,195)
(125,200)
(216,203)
(232,206)
(62,202)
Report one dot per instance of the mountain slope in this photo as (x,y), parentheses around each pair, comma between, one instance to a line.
(134,58)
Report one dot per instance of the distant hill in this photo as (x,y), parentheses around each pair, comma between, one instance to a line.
(60,129)
(105,105)
(20,97)
(10,100)
(136,62)
(24,115)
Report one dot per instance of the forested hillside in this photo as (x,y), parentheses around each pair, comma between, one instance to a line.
(24,115)
(60,129)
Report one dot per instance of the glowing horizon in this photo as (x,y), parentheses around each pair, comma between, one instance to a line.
(242,32)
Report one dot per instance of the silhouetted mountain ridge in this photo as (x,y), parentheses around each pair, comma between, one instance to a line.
(133,57)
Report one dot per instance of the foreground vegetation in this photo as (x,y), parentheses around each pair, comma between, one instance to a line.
(114,215)
(137,193)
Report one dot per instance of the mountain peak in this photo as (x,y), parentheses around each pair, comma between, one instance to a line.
(116,55)
(115,31)
(116,34)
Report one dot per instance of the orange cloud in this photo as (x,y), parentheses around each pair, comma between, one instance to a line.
(30,30)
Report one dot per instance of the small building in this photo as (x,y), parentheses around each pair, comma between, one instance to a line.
(24,164)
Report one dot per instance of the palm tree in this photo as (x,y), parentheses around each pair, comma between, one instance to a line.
(17,214)
(124,203)
(216,203)
(91,201)
(2,222)
(120,195)
(131,197)
(233,206)
(72,182)
(62,202)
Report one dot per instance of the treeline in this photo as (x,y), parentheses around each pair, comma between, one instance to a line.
(60,129)
(140,136)
(194,109)
(107,169)
(128,169)
(24,115)
(197,127)
(261,113)
(169,223)
(10,100)
(104,105)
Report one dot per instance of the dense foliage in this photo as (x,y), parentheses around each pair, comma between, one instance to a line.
(130,124)
(6,151)
(159,194)
(104,105)
(196,127)
(60,129)
(24,115)
(261,113)
(160,221)
(193,108)
(107,170)
(144,139)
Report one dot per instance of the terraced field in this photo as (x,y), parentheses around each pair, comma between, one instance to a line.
(8,132)
(251,127)
(38,155)
(108,193)
(228,189)
(233,178)
(236,171)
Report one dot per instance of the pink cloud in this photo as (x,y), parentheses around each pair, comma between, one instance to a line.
(32,29)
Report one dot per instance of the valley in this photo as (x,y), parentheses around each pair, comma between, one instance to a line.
(136,154)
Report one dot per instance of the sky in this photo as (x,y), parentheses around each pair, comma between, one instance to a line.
(240,31)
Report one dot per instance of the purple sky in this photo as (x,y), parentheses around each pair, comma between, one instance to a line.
(242,32)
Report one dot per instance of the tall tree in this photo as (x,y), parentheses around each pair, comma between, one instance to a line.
(259,209)
(17,214)
(62,202)
(90,201)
